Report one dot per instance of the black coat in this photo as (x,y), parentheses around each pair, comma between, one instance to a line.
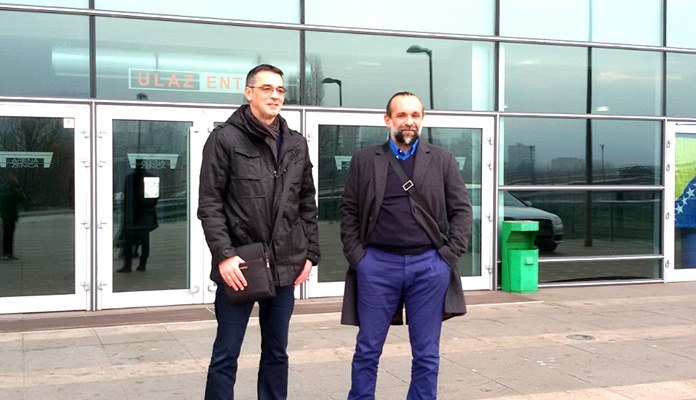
(239,195)
(436,175)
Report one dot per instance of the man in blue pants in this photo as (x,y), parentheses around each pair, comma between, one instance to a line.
(402,247)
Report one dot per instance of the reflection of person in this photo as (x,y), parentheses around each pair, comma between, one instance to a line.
(139,218)
(11,196)
(397,254)
(246,162)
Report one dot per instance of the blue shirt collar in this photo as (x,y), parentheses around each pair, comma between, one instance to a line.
(400,154)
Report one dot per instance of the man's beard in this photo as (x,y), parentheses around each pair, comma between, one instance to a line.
(407,140)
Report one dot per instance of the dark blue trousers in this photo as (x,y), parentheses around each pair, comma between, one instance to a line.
(383,280)
(274,321)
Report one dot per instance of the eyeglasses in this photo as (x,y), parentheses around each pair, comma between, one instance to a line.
(268,89)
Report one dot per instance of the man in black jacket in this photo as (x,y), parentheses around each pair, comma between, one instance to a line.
(402,252)
(246,162)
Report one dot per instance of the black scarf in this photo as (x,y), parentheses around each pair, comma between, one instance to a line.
(271,133)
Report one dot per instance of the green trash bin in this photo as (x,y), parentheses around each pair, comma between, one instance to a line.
(520,267)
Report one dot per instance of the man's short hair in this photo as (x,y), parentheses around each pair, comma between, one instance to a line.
(399,95)
(251,76)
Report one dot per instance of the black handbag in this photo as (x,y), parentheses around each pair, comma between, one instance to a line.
(257,272)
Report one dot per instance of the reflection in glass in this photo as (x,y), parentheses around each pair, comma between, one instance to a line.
(553,151)
(36,201)
(586,271)
(622,81)
(442,16)
(622,222)
(615,21)
(626,82)
(370,66)
(681,84)
(336,146)
(272,10)
(544,19)
(685,202)
(681,30)
(174,64)
(32,64)
(51,3)
(557,76)
(151,201)
(466,146)
(627,22)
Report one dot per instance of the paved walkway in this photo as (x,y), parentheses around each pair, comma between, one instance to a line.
(603,342)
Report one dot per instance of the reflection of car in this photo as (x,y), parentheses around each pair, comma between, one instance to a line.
(550,233)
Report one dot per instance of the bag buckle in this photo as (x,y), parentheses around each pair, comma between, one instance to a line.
(407,185)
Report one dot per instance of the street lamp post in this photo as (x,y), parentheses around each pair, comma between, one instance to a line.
(532,149)
(340,88)
(417,49)
(604,175)
(140,96)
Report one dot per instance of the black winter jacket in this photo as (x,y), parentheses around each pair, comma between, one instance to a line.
(240,188)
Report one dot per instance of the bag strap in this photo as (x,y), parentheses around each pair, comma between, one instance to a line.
(408,185)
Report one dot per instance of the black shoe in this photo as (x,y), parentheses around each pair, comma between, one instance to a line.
(140,268)
(124,269)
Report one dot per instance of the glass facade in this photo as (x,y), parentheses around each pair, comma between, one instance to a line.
(608,21)
(554,151)
(274,11)
(580,92)
(578,80)
(680,84)
(681,31)
(467,17)
(52,3)
(451,74)
(176,65)
(34,60)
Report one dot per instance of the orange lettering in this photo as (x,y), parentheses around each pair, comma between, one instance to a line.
(145,82)
(238,79)
(173,81)
(211,82)
(187,83)
(157,82)
(224,82)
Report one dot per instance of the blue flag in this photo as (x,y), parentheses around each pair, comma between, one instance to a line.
(685,207)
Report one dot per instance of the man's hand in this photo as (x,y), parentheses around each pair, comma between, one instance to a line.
(229,269)
(304,275)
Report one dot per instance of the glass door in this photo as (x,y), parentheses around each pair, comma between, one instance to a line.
(145,209)
(44,206)
(151,247)
(680,202)
(333,137)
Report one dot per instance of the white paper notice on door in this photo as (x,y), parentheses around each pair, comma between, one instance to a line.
(152,187)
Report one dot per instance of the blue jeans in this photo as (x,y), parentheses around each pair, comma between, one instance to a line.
(383,280)
(274,321)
